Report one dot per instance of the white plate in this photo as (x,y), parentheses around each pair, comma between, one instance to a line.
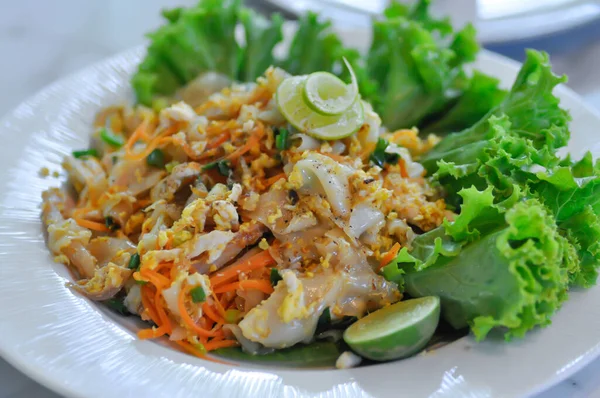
(77,349)
(496,21)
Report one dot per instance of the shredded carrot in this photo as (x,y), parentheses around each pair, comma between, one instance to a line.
(143,203)
(218,141)
(213,345)
(402,164)
(252,142)
(212,315)
(155,278)
(148,304)
(185,316)
(137,135)
(93,225)
(165,320)
(389,256)
(259,260)
(196,352)
(262,285)
(272,180)
(218,304)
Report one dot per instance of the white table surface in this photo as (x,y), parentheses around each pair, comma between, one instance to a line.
(43,40)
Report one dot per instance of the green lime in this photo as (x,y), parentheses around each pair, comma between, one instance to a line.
(291,104)
(396,331)
(328,95)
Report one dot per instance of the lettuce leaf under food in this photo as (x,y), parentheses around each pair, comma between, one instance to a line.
(512,270)
(532,109)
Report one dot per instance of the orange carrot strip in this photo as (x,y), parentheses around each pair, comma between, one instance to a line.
(262,285)
(213,345)
(403,171)
(211,314)
(390,255)
(137,134)
(218,304)
(218,141)
(148,304)
(272,180)
(95,226)
(152,333)
(185,316)
(259,260)
(166,322)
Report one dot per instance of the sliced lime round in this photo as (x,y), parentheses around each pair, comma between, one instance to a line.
(396,331)
(290,101)
(328,95)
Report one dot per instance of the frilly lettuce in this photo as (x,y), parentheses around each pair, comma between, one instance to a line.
(508,265)
(533,111)
(202,39)
(528,224)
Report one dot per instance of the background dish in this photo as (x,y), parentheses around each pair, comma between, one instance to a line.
(40,340)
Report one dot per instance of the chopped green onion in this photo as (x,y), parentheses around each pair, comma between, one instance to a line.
(134,261)
(156,159)
(281,140)
(111,138)
(140,282)
(232,316)
(275,277)
(324,319)
(87,152)
(117,305)
(222,165)
(198,295)
(171,165)
(200,347)
(111,224)
(158,104)
(380,156)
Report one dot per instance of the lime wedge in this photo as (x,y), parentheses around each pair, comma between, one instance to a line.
(328,95)
(396,331)
(291,104)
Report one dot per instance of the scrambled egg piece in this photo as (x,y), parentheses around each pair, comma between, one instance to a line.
(293,305)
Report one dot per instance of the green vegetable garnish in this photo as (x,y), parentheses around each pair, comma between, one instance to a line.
(380,156)
(232,316)
(111,224)
(281,140)
(224,167)
(198,294)
(156,158)
(111,138)
(134,261)
(324,319)
(275,277)
(86,152)
(116,304)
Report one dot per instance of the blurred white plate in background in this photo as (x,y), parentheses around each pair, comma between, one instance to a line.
(496,21)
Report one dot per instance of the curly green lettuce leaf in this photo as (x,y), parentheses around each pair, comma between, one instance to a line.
(482,95)
(415,67)
(512,269)
(314,47)
(532,109)
(202,39)
(262,36)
